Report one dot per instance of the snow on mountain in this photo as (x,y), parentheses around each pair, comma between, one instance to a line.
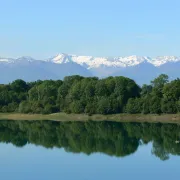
(95,62)
(140,68)
(6,60)
(21,59)
(91,62)
(60,59)
(160,60)
(131,60)
(87,61)
(25,58)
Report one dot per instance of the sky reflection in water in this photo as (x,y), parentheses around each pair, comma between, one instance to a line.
(32,161)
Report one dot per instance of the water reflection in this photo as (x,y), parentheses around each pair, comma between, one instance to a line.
(111,138)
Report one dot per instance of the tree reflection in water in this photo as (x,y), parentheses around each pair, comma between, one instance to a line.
(111,138)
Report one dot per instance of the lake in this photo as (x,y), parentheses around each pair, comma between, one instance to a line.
(35,150)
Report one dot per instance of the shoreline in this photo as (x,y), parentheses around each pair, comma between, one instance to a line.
(151,118)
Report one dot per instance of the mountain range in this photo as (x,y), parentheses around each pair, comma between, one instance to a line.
(140,68)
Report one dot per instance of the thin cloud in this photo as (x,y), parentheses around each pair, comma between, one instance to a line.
(150,36)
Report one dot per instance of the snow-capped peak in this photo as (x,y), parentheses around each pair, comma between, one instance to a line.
(90,62)
(132,60)
(95,62)
(25,58)
(61,58)
(6,60)
(160,60)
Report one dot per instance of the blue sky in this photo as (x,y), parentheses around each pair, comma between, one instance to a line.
(43,28)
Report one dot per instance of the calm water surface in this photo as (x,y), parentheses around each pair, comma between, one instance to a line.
(88,150)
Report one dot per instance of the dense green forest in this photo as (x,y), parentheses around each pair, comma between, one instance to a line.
(76,94)
(111,138)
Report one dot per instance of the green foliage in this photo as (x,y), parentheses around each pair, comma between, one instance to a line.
(160,81)
(146,89)
(155,105)
(25,107)
(103,106)
(49,108)
(178,106)
(77,107)
(19,86)
(145,100)
(169,106)
(134,106)
(76,94)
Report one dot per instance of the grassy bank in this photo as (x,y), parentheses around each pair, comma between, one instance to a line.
(165,118)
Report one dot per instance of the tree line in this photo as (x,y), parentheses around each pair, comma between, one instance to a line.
(111,138)
(90,95)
